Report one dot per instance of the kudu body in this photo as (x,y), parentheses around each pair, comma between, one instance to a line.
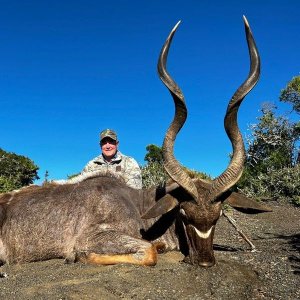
(98,219)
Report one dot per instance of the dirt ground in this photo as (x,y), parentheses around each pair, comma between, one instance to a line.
(272,272)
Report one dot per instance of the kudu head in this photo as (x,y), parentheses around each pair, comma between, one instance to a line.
(200,202)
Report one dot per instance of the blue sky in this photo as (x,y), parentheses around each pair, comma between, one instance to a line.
(69,69)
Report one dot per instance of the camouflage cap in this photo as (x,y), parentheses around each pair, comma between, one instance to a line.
(108,133)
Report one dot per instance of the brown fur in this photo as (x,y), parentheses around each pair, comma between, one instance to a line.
(97,215)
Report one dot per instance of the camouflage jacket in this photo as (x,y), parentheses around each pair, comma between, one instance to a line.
(123,165)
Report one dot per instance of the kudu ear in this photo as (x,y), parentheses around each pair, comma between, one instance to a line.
(246,205)
(162,206)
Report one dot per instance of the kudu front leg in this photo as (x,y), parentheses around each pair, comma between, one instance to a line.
(129,251)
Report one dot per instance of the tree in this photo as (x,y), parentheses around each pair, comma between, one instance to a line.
(291,93)
(16,171)
(271,169)
(153,173)
(154,154)
(273,141)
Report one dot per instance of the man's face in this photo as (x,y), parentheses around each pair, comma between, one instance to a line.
(109,147)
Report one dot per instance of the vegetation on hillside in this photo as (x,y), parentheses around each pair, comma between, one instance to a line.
(16,171)
(272,168)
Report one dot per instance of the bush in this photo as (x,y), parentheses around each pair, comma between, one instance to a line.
(271,169)
(16,171)
(8,184)
(291,93)
(275,184)
(153,174)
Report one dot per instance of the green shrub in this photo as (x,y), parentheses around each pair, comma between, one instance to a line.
(275,184)
(8,184)
(153,174)
(16,171)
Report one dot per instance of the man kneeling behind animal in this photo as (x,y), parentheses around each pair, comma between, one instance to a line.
(114,161)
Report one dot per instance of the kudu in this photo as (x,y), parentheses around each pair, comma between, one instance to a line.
(96,218)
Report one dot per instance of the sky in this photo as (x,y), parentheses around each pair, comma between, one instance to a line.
(69,69)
